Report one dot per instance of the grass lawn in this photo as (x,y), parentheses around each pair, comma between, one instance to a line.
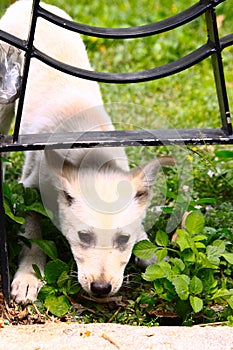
(203,175)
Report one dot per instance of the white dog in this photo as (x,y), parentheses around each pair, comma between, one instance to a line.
(100,203)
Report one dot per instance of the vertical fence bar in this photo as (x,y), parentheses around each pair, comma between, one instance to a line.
(218,70)
(3,243)
(28,56)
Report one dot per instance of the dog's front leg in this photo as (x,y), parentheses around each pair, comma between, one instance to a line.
(26,285)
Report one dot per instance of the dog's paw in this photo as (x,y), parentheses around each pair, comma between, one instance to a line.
(25,288)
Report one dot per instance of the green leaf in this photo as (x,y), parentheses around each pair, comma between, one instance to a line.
(161,254)
(144,249)
(223,293)
(220,244)
(54,269)
(5,160)
(228,257)
(224,154)
(182,239)
(230,302)
(196,303)
(38,208)
(178,265)
(183,308)
(196,285)
(167,210)
(199,245)
(63,278)
(199,238)
(74,288)
(48,247)
(167,270)
(158,287)
(31,195)
(162,238)
(152,273)
(188,257)
(181,284)
(7,191)
(195,222)
(8,212)
(57,305)
(37,271)
(205,263)
(205,201)
(208,279)
(45,291)
(213,254)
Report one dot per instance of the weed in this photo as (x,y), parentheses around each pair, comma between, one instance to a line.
(197,273)
(58,282)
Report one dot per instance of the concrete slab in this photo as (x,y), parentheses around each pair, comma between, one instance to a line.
(62,336)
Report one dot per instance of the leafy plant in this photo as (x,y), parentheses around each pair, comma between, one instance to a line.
(193,273)
(58,282)
(18,201)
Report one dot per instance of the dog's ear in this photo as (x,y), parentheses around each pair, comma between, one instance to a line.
(58,164)
(143,177)
(64,172)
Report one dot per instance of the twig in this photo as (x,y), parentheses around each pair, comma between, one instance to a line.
(213,324)
(114,315)
(116,299)
(106,337)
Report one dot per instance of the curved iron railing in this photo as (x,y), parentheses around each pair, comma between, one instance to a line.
(213,48)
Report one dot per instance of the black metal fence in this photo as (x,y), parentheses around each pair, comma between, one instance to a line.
(213,48)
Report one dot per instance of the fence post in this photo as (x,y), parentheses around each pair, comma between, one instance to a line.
(217,64)
(3,243)
(27,62)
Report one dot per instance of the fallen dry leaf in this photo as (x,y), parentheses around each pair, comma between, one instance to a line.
(106,337)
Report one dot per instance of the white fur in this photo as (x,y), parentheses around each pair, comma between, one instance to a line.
(100,202)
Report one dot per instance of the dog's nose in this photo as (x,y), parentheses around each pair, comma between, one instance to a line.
(101,288)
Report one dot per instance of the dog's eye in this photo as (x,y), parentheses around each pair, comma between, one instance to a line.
(69,199)
(122,240)
(86,237)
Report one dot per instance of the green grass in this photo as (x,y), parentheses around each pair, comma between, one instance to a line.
(184,100)
(187,99)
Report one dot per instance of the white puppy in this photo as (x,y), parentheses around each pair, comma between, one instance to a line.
(100,203)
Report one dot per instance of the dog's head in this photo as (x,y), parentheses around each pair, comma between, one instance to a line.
(101,213)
